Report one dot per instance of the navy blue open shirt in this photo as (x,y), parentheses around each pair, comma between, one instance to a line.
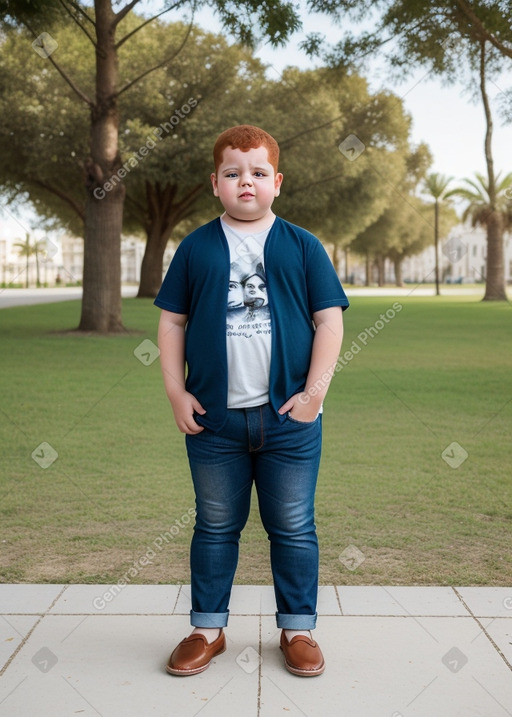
(300,281)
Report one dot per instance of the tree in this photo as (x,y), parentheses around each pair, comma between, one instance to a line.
(27,249)
(198,94)
(42,142)
(436,186)
(443,36)
(337,195)
(165,137)
(399,231)
(104,29)
(491,209)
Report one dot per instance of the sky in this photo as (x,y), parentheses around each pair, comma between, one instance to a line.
(444,117)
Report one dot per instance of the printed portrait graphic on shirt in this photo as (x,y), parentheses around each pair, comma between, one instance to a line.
(247,296)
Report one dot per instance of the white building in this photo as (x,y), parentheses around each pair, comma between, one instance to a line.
(60,261)
(462,258)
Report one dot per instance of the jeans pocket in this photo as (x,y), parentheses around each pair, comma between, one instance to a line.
(301,423)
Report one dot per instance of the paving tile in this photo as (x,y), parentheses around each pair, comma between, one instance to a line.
(114,665)
(115,600)
(27,599)
(399,600)
(13,630)
(328,601)
(183,603)
(500,630)
(394,667)
(425,655)
(488,602)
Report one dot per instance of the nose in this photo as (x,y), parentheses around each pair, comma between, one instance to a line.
(245,178)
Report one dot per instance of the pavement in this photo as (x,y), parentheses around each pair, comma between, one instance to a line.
(26,297)
(391,651)
(29,297)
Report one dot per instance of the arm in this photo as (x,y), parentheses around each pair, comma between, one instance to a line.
(171,342)
(305,406)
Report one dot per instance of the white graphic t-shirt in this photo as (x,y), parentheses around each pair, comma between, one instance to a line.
(248,325)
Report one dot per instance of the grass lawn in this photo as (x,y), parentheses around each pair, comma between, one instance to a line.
(433,377)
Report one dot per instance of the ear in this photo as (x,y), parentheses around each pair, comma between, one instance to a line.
(277,184)
(213,178)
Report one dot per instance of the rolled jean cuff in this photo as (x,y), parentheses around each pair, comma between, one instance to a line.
(209,619)
(296,622)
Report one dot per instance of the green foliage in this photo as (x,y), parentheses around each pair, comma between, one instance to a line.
(480,207)
(45,135)
(439,35)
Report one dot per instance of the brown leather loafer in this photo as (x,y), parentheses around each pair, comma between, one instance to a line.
(302,656)
(194,654)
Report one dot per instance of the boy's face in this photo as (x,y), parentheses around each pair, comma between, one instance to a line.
(246,183)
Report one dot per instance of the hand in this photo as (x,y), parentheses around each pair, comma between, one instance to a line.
(183,406)
(301,407)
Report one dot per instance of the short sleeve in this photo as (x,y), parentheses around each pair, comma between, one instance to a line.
(174,293)
(323,285)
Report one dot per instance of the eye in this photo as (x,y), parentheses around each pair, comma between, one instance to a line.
(259,174)
(231,175)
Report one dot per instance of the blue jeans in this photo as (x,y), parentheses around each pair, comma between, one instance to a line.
(283,460)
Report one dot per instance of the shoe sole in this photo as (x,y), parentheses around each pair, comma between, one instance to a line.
(196,671)
(303,673)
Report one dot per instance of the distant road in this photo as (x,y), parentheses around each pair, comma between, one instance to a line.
(414,290)
(26,297)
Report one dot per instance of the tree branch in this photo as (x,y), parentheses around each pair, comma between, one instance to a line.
(64,75)
(160,64)
(123,12)
(79,9)
(80,211)
(75,19)
(313,184)
(146,22)
(289,140)
(481,31)
(70,82)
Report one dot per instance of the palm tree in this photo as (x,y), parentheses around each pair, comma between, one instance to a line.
(436,185)
(490,207)
(487,206)
(27,250)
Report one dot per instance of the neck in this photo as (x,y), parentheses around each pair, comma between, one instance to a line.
(250,225)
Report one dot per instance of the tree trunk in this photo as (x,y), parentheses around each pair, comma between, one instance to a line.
(101,302)
(368,270)
(336,258)
(381,270)
(436,243)
(164,215)
(397,263)
(152,264)
(495,275)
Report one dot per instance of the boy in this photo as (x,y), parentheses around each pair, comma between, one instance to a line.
(251,403)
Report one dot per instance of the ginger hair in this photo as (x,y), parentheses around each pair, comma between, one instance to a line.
(246,137)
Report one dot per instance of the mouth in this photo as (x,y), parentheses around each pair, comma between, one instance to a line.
(245,195)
